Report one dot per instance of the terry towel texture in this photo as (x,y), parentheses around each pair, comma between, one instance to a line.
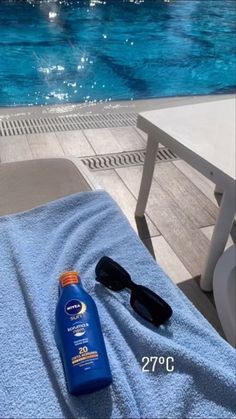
(73,233)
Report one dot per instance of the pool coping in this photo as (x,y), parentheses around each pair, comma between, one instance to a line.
(113,107)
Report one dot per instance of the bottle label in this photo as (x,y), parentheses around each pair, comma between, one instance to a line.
(84,353)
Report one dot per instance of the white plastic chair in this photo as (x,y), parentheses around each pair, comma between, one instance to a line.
(224,289)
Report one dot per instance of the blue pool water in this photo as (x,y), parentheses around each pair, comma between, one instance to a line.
(76,51)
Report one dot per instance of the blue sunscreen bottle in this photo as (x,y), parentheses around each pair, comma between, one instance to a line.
(79,338)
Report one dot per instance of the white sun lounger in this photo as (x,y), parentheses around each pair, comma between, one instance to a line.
(27,184)
(203,360)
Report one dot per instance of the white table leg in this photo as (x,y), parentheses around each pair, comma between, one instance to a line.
(148,169)
(220,236)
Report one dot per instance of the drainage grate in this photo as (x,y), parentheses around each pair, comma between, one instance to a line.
(66,123)
(131,158)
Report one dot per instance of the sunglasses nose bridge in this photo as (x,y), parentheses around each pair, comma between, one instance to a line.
(131,285)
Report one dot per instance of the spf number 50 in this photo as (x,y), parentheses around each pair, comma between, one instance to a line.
(152,362)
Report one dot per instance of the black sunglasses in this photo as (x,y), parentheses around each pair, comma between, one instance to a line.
(144,301)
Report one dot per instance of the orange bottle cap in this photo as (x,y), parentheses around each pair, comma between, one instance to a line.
(68,278)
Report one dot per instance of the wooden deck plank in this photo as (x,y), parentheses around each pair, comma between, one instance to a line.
(167,259)
(14,148)
(202,183)
(102,140)
(128,138)
(74,143)
(189,243)
(112,183)
(142,134)
(177,272)
(201,211)
(208,231)
(45,145)
(201,301)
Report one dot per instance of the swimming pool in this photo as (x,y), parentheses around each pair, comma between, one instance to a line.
(77,51)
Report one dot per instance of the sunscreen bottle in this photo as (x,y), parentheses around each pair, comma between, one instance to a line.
(79,338)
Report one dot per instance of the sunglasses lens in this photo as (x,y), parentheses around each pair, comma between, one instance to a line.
(111,274)
(150,306)
(109,282)
(141,309)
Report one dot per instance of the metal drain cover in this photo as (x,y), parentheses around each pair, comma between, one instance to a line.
(66,123)
(131,158)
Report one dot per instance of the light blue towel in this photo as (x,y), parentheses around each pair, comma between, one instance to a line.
(73,233)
